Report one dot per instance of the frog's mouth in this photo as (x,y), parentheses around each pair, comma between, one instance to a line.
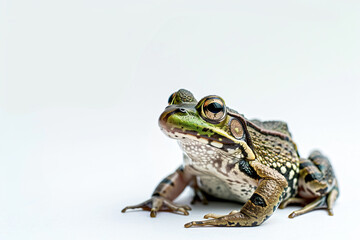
(194,136)
(198,140)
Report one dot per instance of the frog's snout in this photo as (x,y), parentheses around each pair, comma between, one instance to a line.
(163,119)
(168,112)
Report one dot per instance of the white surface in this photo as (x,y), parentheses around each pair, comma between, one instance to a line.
(82,84)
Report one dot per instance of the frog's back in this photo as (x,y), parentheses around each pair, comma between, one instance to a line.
(277,126)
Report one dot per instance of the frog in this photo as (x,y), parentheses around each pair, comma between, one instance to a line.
(229,157)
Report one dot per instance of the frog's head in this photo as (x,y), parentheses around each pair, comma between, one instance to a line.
(208,122)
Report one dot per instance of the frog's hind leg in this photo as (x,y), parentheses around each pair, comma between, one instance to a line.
(317,185)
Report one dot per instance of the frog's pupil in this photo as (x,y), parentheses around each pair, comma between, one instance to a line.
(215,107)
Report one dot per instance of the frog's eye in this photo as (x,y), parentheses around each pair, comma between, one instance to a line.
(213,109)
(171,98)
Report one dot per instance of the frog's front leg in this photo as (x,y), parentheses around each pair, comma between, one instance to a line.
(259,207)
(166,191)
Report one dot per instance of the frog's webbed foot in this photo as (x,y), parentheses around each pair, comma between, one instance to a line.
(321,202)
(157,203)
(234,219)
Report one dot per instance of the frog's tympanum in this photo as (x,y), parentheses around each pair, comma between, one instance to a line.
(229,157)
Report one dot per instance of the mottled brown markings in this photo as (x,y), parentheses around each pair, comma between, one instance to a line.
(217,164)
(229,167)
(234,181)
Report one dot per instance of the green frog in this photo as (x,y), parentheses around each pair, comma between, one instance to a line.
(229,157)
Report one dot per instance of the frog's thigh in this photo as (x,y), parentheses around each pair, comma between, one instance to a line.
(312,181)
(317,184)
(259,207)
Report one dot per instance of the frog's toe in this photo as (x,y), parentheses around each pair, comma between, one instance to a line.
(292,201)
(180,209)
(143,205)
(156,205)
(194,223)
(211,222)
(189,224)
(153,213)
(175,208)
(317,203)
(330,212)
(326,201)
(212,215)
(186,207)
(183,211)
(332,196)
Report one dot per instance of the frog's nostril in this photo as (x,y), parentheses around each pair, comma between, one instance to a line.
(182,110)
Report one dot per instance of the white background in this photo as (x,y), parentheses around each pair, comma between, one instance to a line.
(82,84)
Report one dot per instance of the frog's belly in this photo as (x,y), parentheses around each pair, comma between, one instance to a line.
(238,190)
(217,172)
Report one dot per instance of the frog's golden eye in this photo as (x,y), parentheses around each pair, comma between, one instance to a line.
(171,98)
(213,109)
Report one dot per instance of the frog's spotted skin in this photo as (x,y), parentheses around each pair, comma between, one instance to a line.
(232,158)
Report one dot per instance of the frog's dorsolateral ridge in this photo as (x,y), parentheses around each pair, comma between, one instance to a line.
(230,157)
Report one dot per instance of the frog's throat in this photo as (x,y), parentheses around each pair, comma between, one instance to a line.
(229,145)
